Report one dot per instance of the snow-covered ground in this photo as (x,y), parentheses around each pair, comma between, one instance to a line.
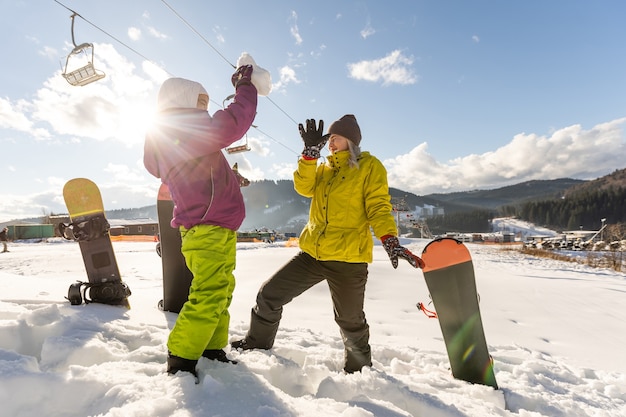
(520,227)
(556,331)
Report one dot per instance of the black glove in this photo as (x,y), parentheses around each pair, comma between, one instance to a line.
(313,139)
(243,76)
(395,251)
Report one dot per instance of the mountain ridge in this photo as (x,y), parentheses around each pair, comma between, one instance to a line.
(275,204)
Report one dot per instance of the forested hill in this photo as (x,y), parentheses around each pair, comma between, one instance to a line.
(505,196)
(614,181)
(276,205)
(561,203)
(585,205)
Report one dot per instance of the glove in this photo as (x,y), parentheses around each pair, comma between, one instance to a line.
(312,138)
(243,76)
(243,181)
(261,77)
(395,251)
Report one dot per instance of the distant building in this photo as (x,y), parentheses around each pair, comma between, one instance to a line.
(118,227)
(135,227)
(30,231)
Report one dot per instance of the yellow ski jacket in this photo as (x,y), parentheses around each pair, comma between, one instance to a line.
(345,203)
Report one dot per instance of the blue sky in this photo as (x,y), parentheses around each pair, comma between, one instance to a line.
(450,95)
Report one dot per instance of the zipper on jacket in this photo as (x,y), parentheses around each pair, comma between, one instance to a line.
(206,212)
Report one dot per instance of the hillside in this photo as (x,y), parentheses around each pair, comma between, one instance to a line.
(510,195)
(615,180)
(276,205)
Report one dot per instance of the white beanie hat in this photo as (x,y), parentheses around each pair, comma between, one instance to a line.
(179,93)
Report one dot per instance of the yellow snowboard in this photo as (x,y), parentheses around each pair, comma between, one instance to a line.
(89,226)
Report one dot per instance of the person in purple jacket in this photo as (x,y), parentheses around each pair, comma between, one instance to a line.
(184,149)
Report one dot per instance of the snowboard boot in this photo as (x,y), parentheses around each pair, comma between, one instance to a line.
(176,364)
(217,355)
(241,345)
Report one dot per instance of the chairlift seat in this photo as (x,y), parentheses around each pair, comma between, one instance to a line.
(238,149)
(83,75)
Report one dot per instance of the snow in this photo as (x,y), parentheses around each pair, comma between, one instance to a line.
(555,331)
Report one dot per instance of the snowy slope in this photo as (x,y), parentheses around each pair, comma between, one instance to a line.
(555,331)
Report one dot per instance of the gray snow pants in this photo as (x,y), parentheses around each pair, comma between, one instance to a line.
(346,282)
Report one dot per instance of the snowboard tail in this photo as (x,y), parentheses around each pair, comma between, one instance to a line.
(90,228)
(449,275)
(176,276)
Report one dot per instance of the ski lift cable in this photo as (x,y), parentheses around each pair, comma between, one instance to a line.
(74,14)
(172,75)
(198,33)
(218,52)
(111,36)
(277,142)
(260,131)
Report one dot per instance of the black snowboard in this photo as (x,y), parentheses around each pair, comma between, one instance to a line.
(176,276)
(89,226)
(449,275)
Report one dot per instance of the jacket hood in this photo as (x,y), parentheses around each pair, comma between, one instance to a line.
(179,93)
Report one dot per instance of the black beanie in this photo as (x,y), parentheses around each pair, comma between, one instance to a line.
(347,127)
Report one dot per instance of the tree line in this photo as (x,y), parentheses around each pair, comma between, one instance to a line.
(580,210)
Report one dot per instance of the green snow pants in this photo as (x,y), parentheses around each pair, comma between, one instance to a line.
(346,282)
(203,321)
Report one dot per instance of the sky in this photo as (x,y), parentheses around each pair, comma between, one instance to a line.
(554,330)
(450,95)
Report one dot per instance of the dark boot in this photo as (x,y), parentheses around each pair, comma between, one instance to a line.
(176,364)
(217,355)
(241,345)
(357,355)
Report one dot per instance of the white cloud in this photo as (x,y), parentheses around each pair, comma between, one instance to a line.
(287,75)
(293,29)
(259,146)
(217,30)
(14,116)
(571,152)
(475,39)
(395,68)
(284,171)
(155,72)
(156,33)
(118,107)
(49,52)
(124,173)
(134,33)
(367,31)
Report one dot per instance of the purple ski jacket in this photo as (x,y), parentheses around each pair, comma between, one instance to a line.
(184,149)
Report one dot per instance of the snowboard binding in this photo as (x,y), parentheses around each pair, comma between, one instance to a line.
(112,293)
(88,229)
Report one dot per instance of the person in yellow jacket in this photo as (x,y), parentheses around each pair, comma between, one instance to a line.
(349,195)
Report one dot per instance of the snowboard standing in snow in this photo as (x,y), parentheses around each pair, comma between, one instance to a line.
(176,276)
(89,226)
(449,275)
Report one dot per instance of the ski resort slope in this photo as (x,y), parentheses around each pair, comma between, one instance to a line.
(556,332)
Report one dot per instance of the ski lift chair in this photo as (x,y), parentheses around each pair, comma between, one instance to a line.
(85,74)
(239,148)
